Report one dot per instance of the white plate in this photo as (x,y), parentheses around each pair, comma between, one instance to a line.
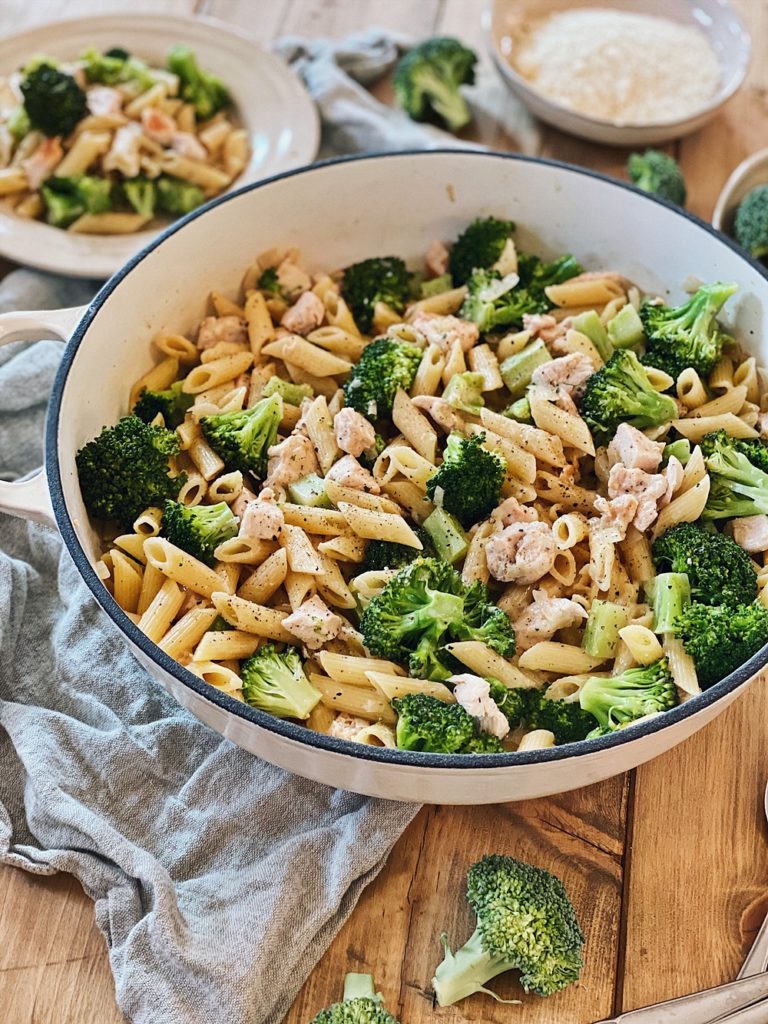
(271,103)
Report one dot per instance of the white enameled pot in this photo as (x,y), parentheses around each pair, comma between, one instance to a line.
(337,213)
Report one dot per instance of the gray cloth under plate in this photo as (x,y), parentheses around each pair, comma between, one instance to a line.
(218,880)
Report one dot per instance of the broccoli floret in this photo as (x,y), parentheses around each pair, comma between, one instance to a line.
(464,391)
(54,101)
(484,743)
(470,478)
(242,438)
(525,923)
(620,392)
(659,174)
(274,681)
(198,529)
(361,1005)
(219,625)
(426,723)
(66,199)
(750,225)
(116,67)
(172,404)
(479,247)
(177,197)
(511,701)
(293,394)
(618,700)
(755,449)
(566,720)
(718,570)
(687,335)
(379,279)
(268,282)
(18,123)
(435,286)
(722,638)
(384,367)
(738,486)
(427,81)
(125,470)
(425,605)
(141,193)
(386,554)
(205,91)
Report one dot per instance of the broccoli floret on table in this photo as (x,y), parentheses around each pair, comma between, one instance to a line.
(750,226)
(384,367)
(362,1004)
(53,100)
(687,335)
(126,469)
(199,529)
(177,197)
(386,554)
(427,81)
(66,199)
(721,638)
(718,570)
(378,279)
(469,479)
(620,392)
(116,67)
(616,701)
(525,923)
(242,438)
(172,404)
(479,246)
(274,681)
(423,607)
(659,174)
(205,91)
(738,483)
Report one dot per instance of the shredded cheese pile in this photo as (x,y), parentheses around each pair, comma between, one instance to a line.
(631,69)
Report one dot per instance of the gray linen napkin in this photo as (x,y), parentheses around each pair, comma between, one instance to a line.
(218,880)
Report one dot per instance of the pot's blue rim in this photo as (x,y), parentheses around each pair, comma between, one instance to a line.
(291,730)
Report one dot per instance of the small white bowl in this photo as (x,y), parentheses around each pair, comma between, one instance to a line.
(716,18)
(270,102)
(748,175)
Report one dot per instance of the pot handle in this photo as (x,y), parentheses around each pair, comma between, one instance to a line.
(29,498)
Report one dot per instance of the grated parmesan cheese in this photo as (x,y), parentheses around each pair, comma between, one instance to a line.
(631,69)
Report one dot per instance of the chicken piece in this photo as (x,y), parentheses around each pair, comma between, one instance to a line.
(647,488)
(568,372)
(348,472)
(305,314)
(443,331)
(436,259)
(290,460)
(188,145)
(762,424)
(292,279)
(354,434)
(551,331)
(346,727)
(262,519)
(243,500)
(104,101)
(521,553)
(313,623)
(41,163)
(511,511)
(162,128)
(125,153)
(473,693)
(750,533)
(614,517)
(214,329)
(444,415)
(542,619)
(634,450)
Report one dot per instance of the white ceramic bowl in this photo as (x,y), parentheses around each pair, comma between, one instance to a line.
(396,203)
(271,103)
(716,18)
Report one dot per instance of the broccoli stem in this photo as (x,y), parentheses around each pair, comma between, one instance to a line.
(681,449)
(360,986)
(445,99)
(625,330)
(310,491)
(601,635)
(466,971)
(591,325)
(519,410)
(670,594)
(517,369)
(450,540)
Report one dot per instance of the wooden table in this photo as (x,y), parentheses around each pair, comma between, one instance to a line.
(668,866)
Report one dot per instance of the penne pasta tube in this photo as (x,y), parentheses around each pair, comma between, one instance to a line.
(392,686)
(302,557)
(643,644)
(225,644)
(695,427)
(414,426)
(218,371)
(161,611)
(537,739)
(267,579)
(126,578)
(379,526)
(182,568)
(315,360)
(220,676)
(251,617)
(185,634)
(353,700)
(314,520)
(481,660)
(571,429)
(158,378)
(539,443)
(347,547)
(349,669)
(552,656)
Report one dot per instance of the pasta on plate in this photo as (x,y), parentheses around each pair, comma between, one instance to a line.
(104,144)
(493,504)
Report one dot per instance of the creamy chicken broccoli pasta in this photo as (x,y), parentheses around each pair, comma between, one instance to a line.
(491,503)
(104,144)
